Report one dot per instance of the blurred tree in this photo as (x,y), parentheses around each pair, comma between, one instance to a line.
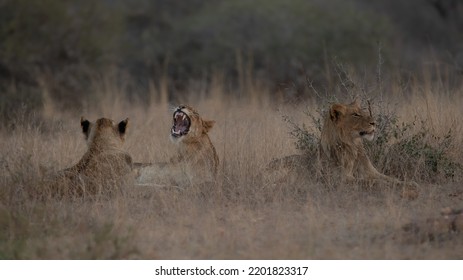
(423,26)
(56,42)
(280,35)
(277,37)
(54,32)
(63,43)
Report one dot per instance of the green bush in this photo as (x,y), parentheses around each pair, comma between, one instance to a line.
(411,149)
(407,150)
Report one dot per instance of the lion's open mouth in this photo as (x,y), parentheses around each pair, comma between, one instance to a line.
(181,124)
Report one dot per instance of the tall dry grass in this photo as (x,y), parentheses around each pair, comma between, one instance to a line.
(246,215)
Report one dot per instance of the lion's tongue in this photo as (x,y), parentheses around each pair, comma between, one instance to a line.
(181,123)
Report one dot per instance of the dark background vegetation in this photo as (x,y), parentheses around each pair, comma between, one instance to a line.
(62,46)
(244,64)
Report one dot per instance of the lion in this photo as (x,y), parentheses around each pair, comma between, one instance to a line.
(341,154)
(341,142)
(105,168)
(195,161)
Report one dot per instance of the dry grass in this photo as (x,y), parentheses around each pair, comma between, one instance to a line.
(244,216)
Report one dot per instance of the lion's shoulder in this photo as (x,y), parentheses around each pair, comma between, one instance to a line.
(104,164)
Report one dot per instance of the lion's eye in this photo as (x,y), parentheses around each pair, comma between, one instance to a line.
(356,115)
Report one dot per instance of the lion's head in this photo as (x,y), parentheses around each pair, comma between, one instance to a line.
(104,132)
(350,122)
(104,168)
(195,160)
(188,125)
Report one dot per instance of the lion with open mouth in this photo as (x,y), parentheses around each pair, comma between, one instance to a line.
(196,159)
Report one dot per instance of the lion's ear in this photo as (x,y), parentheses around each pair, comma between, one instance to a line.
(122,126)
(336,111)
(207,125)
(85,124)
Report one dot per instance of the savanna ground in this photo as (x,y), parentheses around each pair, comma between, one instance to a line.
(246,215)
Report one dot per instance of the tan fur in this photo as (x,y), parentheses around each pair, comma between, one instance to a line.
(341,143)
(341,153)
(195,161)
(104,168)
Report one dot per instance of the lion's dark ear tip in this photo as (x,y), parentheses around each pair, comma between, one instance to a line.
(122,126)
(85,124)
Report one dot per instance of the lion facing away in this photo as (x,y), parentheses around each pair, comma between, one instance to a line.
(105,168)
(341,154)
(196,159)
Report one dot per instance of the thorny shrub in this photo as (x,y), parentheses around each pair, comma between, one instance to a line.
(407,149)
